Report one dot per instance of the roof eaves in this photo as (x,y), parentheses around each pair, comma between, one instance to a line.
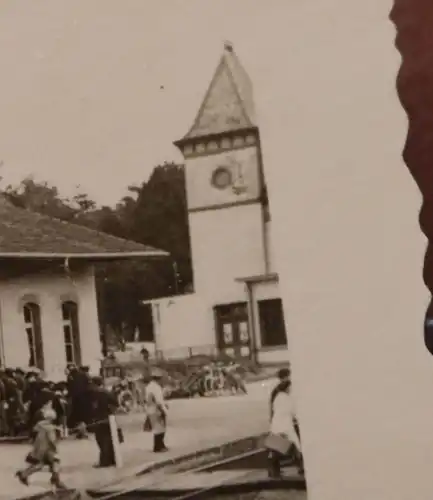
(82,255)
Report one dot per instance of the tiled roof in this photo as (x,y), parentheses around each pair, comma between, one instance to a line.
(26,233)
(228,104)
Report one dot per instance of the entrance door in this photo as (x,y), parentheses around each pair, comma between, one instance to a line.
(233,336)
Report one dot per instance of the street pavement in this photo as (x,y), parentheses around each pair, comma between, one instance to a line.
(194,425)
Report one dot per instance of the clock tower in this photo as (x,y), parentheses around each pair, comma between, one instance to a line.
(227,206)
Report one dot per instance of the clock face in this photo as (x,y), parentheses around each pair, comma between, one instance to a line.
(221,178)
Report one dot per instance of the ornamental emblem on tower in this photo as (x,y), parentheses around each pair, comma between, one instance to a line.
(238,185)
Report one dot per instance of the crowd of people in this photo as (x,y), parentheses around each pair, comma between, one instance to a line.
(93,405)
(24,393)
(32,406)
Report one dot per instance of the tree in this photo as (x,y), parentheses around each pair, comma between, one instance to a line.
(40,197)
(161,219)
(153,213)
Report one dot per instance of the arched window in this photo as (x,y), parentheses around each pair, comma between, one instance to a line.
(32,323)
(71,332)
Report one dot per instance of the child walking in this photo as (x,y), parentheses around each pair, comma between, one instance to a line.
(44,450)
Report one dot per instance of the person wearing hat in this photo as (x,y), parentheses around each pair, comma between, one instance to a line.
(146,367)
(13,401)
(103,404)
(156,409)
(78,382)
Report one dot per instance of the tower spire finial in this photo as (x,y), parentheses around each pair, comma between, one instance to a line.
(228,46)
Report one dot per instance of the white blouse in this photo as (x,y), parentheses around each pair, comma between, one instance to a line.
(155,396)
(282,418)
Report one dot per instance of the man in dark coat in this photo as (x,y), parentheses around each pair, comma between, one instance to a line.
(78,383)
(30,384)
(21,383)
(103,404)
(13,401)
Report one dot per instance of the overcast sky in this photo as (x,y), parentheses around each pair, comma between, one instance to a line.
(98,89)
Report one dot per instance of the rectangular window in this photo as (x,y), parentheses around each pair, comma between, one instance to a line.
(28,314)
(32,324)
(71,332)
(68,334)
(66,311)
(69,353)
(32,347)
(272,327)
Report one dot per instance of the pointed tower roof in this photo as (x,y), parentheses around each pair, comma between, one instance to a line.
(228,103)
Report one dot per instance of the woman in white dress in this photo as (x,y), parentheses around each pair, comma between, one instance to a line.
(282,425)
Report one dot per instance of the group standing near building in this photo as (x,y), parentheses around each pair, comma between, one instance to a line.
(95,404)
(91,405)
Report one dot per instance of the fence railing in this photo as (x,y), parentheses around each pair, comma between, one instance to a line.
(178,353)
(189,355)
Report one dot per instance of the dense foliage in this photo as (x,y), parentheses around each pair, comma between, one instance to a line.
(153,213)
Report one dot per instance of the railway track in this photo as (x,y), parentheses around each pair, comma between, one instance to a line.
(240,477)
(240,474)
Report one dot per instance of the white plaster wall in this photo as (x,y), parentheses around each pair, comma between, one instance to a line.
(187,321)
(271,356)
(350,251)
(226,244)
(199,172)
(266,290)
(183,322)
(49,290)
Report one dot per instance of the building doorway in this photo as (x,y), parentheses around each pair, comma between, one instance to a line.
(232,330)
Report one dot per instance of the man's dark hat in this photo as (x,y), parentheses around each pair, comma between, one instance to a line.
(97,380)
(284,373)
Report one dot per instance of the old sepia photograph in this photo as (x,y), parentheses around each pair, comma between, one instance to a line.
(143,344)
(215,267)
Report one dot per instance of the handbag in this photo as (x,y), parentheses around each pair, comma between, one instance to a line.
(147,426)
(278,443)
